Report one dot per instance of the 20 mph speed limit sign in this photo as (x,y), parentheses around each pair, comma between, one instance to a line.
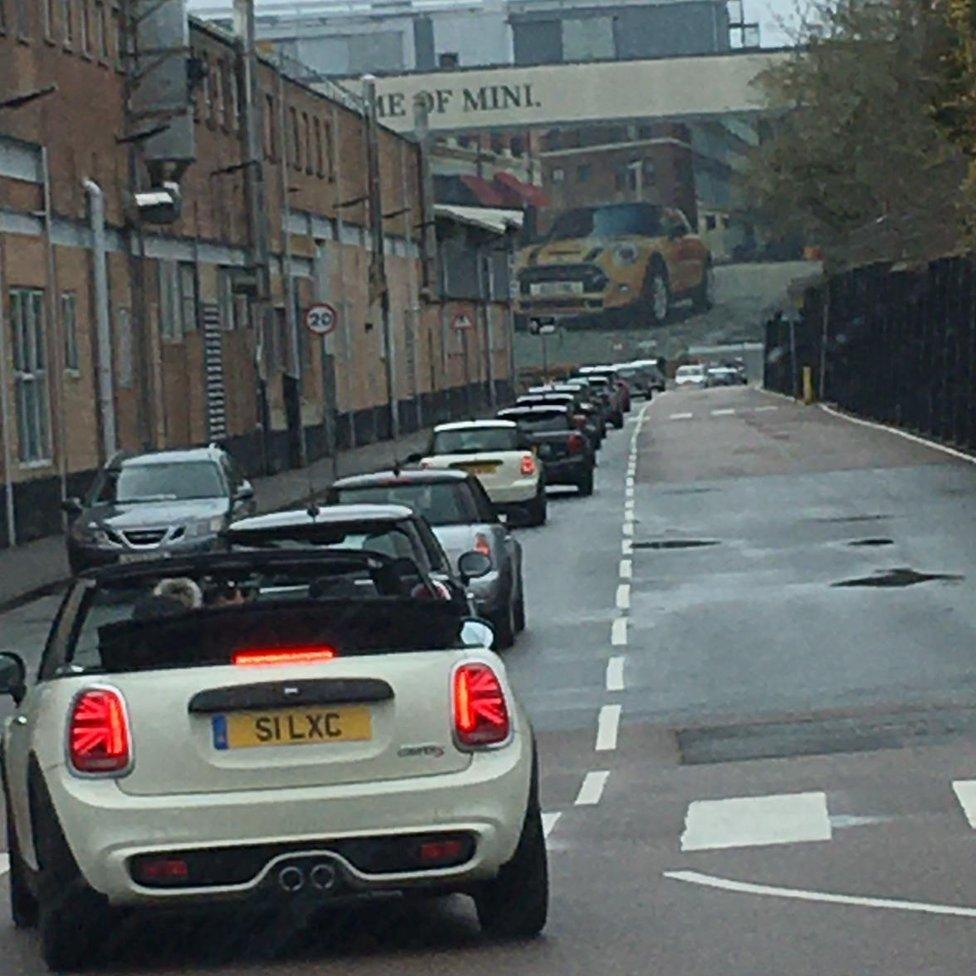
(321,319)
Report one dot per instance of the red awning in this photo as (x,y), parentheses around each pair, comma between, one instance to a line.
(527,194)
(485,193)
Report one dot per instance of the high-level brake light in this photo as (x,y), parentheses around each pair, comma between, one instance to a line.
(266,657)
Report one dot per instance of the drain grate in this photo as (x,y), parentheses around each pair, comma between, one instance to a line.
(871,542)
(827,736)
(898,578)
(676,544)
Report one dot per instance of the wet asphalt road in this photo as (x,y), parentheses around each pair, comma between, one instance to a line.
(695,646)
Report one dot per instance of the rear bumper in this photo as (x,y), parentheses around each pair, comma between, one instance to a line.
(567,471)
(523,490)
(106,828)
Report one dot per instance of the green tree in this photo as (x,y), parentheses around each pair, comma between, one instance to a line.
(853,158)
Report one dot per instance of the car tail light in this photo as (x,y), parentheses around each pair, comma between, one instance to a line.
(99,740)
(480,710)
(482,545)
(257,657)
(528,464)
(579,419)
(576,443)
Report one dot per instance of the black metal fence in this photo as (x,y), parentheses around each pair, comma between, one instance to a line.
(889,343)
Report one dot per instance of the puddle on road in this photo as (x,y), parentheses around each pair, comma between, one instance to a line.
(676,544)
(871,542)
(898,578)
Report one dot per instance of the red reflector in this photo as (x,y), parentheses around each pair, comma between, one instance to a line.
(576,444)
(260,657)
(441,851)
(163,869)
(98,733)
(480,710)
(482,545)
(528,464)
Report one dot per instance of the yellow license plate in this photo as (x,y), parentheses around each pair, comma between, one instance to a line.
(292,727)
(479,468)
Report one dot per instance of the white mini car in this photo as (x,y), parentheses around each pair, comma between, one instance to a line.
(241,725)
(499,456)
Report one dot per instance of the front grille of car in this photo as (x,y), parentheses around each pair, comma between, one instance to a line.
(144,537)
(593,278)
(231,866)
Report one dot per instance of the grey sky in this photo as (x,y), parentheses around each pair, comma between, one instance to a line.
(767,12)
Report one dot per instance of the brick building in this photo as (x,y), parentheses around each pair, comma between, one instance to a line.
(167,351)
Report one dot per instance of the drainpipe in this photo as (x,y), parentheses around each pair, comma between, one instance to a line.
(106,397)
(6,414)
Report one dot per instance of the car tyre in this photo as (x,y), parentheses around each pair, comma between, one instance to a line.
(585,485)
(655,301)
(537,509)
(74,920)
(23,904)
(617,419)
(515,905)
(701,299)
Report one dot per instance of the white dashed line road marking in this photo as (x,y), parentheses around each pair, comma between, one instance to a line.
(766,408)
(618,632)
(626,568)
(4,864)
(626,547)
(615,674)
(592,788)
(755,821)
(623,596)
(726,412)
(628,528)
(682,416)
(798,894)
(607,727)
(965,790)
(629,508)
(629,491)
(629,483)
(549,821)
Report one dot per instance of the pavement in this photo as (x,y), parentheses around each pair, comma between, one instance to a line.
(40,567)
(749,662)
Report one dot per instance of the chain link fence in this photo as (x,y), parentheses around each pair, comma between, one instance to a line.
(889,343)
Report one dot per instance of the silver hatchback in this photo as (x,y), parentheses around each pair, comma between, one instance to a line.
(463,519)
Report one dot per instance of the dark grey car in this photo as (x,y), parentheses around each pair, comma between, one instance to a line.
(146,506)
(463,519)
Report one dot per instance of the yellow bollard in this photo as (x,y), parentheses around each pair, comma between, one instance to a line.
(808,396)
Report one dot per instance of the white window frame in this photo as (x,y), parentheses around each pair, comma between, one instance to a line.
(31,394)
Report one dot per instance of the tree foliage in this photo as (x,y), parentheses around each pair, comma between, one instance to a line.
(854,158)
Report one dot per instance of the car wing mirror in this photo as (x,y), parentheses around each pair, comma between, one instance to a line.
(473,565)
(476,632)
(71,506)
(13,676)
(245,493)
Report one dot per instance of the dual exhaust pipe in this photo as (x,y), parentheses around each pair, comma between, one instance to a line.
(321,877)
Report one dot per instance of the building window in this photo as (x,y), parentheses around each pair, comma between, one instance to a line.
(270,129)
(119,29)
(449,59)
(217,101)
(67,24)
(726,222)
(583,173)
(30,373)
(559,175)
(69,326)
(206,101)
(85,36)
(329,152)
(188,296)
(319,149)
(233,100)
(102,30)
(23,19)
(296,139)
(588,39)
(48,15)
(710,222)
(3,16)
(307,130)
(123,348)
(226,299)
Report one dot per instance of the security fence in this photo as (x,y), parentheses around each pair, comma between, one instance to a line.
(890,343)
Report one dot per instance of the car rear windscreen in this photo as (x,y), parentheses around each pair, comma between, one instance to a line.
(475,440)
(441,503)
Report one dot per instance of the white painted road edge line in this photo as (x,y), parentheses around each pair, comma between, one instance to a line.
(626,568)
(628,527)
(726,412)
(914,438)
(592,788)
(618,632)
(965,790)
(764,409)
(549,821)
(607,726)
(626,547)
(799,894)
(623,596)
(629,491)
(615,673)
(629,483)
(4,864)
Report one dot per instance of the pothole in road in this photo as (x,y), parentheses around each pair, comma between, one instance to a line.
(823,736)
(857,543)
(898,578)
(676,544)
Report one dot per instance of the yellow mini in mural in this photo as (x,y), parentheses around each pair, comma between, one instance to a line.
(618,264)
